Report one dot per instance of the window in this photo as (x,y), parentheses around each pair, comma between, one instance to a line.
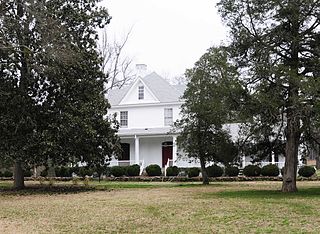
(124,119)
(141,92)
(168,118)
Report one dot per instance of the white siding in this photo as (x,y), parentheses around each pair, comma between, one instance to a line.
(147,116)
(132,96)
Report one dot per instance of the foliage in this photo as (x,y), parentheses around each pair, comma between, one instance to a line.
(193,172)
(306,171)
(153,170)
(133,170)
(270,170)
(211,100)
(232,171)
(7,173)
(252,170)
(118,171)
(85,171)
(275,45)
(172,171)
(214,171)
(63,171)
(27,173)
(52,97)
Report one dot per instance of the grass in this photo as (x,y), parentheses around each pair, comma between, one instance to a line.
(153,207)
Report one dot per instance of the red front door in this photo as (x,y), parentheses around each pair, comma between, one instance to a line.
(166,152)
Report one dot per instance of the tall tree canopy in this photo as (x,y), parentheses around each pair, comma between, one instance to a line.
(275,45)
(52,100)
(211,95)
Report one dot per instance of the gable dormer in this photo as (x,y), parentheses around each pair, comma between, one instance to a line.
(139,93)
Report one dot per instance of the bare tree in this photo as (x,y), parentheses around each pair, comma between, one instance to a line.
(116,66)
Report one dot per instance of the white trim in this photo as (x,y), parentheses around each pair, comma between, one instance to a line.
(146,104)
(132,87)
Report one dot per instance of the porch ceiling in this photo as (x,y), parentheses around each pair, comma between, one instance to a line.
(123,132)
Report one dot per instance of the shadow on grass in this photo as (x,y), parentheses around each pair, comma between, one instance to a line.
(46,190)
(267,194)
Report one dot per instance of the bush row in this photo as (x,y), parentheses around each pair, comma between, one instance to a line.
(273,170)
(155,170)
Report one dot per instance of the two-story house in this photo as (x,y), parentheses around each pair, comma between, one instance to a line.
(146,111)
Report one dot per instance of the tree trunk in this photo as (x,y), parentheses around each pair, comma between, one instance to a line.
(18,176)
(292,144)
(316,149)
(205,178)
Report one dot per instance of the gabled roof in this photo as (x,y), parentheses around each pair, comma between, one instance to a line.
(161,89)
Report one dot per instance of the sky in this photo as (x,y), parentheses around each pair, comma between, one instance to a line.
(168,36)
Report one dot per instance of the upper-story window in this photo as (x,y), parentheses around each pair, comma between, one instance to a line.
(124,119)
(141,92)
(168,117)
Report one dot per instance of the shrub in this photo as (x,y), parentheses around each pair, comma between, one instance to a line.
(117,171)
(1,174)
(306,171)
(153,170)
(214,171)
(85,171)
(270,170)
(27,173)
(193,172)
(252,170)
(44,173)
(7,174)
(232,171)
(133,170)
(172,171)
(63,171)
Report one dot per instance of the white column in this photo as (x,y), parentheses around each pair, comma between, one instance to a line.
(136,150)
(243,161)
(272,158)
(174,150)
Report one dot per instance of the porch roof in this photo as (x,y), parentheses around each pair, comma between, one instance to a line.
(144,131)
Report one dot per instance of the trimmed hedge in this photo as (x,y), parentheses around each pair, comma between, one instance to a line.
(172,171)
(85,171)
(7,174)
(193,172)
(133,170)
(232,171)
(153,170)
(214,171)
(270,170)
(252,170)
(117,171)
(63,171)
(306,171)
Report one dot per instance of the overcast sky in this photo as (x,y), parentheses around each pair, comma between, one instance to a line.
(167,35)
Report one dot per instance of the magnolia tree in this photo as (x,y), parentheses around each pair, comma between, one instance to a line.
(212,97)
(52,99)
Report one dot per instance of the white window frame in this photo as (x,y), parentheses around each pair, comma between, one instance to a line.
(140,92)
(168,116)
(123,119)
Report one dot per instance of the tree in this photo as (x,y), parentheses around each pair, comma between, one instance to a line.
(276,47)
(211,94)
(52,100)
(116,66)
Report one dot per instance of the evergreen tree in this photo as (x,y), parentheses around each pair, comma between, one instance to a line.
(276,47)
(52,100)
(211,99)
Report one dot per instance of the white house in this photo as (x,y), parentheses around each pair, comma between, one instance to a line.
(146,110)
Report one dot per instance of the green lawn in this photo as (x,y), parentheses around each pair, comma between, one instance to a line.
(132,207)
